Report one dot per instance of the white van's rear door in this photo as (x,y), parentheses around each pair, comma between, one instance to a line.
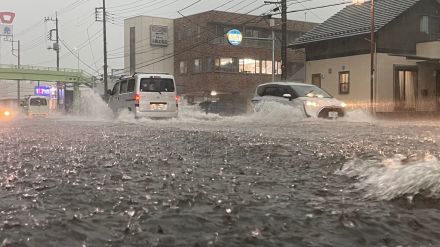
(157,94)
(38,106)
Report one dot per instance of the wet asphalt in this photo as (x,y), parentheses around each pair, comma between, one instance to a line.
(239,181)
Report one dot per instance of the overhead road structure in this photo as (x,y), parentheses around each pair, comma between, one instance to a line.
(36,73)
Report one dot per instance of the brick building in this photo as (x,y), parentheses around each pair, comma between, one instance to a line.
(205,62)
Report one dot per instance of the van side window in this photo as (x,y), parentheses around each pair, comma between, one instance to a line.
(115,90)
(124,87)
(131,86)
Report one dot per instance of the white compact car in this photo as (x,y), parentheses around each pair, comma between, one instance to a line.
(145,95)
(312,100)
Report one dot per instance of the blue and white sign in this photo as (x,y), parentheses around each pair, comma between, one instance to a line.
(6,30)
(234,37)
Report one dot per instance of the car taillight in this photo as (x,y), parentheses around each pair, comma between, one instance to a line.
(177,100)
(137,98)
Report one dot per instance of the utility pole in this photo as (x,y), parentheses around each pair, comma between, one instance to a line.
(272,25)
(104,27)
(56,48)
(57,42)
(56,45)
(372,51)
(18,65)
(283,40)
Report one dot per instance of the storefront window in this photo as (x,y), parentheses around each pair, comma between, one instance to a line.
(266,67)
(226,65)
(249,66)
(258,66)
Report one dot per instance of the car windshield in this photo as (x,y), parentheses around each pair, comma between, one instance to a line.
(38,101)
(311,92)
(157,85)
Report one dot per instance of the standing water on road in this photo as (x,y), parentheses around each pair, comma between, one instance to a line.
(263,179)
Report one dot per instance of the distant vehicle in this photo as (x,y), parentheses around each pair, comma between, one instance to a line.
(221,108)
(36,106)
(6,113)
(310,99)
(145,95)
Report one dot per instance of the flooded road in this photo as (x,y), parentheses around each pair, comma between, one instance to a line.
(212,181)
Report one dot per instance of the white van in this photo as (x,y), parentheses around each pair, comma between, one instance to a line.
(36,106)
(145,95)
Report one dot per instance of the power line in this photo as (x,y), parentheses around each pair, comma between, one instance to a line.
(189,6)
(138,7)
(75,55)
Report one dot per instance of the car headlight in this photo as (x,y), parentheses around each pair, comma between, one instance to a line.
(343,104)
(311,103)
(6,113)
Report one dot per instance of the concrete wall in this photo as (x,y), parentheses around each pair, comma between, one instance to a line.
(145,53)
(429,49)
(359,67)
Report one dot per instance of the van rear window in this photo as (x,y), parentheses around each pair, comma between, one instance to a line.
(38,101)
(157,85)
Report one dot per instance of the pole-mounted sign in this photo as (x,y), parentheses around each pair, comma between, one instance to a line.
(7,17)
(6,20)
(234,37)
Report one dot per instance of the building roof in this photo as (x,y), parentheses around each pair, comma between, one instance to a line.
(355,20)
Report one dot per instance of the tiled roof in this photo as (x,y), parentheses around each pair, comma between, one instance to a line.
(355,20)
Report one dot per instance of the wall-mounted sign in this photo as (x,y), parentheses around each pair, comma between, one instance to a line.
(159,35)
(7,17)
(234,37)
(43,91)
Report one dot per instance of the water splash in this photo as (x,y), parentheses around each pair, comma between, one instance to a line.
(396,177)
(272,113)
(91,108)
(358,116)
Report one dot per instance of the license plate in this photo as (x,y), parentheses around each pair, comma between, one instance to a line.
(158,107)
(333,114)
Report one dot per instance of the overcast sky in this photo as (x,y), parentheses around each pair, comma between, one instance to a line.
(78,28)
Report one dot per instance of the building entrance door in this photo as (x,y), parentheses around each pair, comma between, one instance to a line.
(405,89)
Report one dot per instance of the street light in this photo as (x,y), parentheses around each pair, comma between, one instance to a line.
(372,48)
